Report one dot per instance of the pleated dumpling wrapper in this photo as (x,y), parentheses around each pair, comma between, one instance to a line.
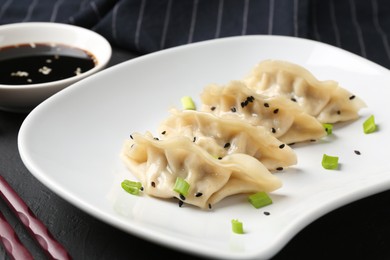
(325,100)
(222,136)
(158,163)
(286,120)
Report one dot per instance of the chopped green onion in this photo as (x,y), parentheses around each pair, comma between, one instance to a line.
(369,125)
(181,186)
(237,226)
(131,187)
(330,162)
(328,128)
(259,199)
(188,103)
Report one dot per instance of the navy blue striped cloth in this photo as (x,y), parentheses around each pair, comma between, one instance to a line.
(144,26)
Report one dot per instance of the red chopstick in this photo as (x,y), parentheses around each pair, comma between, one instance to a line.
(11,241)
(41,234)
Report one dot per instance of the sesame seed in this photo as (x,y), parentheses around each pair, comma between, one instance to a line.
(153,184)
(267,213)
(182,197)
(193,140)
(212,108)
(276,111)
(220,158)
(163,132)
(338,112)
(357,152)
(198,194)
(227,145)
(156,138)
(352,97)
(282,146)
(131,136)
(233,109)
(181,203)
(266,104)
(273,130)
(293,99)
(279,169)
(209,206)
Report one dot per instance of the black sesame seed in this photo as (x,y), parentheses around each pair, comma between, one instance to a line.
(209,206)
(250,98)
(156,138)
(267,213)
(276,111)
(293,99)
(131,136)
(282,146)
(357,152)
(181,203)
(163,132)
(198,194)
(313,140)
(243,104)
(193,140)
(338,112)
(220,158)
(279,169)
(132,146)
(182,197)
(352,97)
(233,109)
(266,104)
(212,108)
(153,184)
(227,145)
(273,130)
(141,189)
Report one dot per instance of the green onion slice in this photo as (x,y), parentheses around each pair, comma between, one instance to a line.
(237,226)
(132,187)
(330,162)
(259,199)
(369,125)
(188,103)
(181,186)
(328,128)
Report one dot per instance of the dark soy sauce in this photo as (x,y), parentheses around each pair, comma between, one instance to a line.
(35,63)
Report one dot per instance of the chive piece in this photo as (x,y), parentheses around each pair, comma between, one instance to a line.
(328,128)
(330,162)
(369,125)
(181,186)
(259,199)
(132,187)
(188,103)
(237,226)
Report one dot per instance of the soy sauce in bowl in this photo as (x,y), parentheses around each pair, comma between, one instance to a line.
(34,63)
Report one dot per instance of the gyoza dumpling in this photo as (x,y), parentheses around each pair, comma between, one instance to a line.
(282,117)
(325,100)
(222,136)
(157,164)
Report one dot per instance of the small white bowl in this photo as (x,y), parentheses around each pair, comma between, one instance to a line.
(23,98)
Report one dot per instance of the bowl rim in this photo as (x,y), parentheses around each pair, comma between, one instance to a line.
(42,25)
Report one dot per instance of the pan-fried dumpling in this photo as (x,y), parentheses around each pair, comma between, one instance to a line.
(282,117)
(325,100)
(157,164)
(223,136)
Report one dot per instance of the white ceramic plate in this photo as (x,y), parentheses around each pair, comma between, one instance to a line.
(71,143)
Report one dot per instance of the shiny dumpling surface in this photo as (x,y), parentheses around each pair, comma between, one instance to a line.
(285,119)
(222,136)
(157,164)
(326,100)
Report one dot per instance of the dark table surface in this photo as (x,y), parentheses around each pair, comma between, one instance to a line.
(360,230)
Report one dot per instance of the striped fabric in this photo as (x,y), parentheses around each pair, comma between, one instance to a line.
(143,26)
